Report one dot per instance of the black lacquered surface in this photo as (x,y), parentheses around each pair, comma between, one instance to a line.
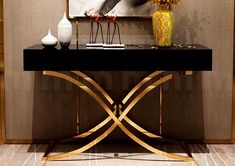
(131,58)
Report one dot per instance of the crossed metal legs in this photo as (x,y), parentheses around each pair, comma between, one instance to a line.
(112,110)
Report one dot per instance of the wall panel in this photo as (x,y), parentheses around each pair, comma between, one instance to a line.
(197,21)
(2,111)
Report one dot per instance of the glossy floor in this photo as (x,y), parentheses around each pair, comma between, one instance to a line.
(123,155)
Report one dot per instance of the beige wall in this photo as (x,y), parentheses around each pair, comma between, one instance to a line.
(197,21)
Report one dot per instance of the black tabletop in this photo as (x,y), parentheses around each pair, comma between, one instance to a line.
(131,58)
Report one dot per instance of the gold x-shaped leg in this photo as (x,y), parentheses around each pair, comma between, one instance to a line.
(117,121)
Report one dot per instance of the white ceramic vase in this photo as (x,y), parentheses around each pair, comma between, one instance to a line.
(49,40)
(64,32)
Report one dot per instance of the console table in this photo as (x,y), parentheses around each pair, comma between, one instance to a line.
(78,58)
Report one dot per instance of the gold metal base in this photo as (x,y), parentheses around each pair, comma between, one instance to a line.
(117,109)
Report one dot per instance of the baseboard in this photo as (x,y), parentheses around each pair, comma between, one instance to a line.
(18,141)
(46,141)
(218,141)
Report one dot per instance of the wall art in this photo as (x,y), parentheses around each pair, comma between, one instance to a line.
(120,8)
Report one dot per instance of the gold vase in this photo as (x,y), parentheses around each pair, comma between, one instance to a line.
(163,25)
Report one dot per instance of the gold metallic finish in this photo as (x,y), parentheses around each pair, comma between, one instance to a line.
(151,76)
(144,92)
(86,89)
(126,98)
(82,149)
(94,129)
(140,129)
(163,25)
(146,79)
(152,149)
(82,86)
(88,79)
(117,121)
(140,84)
(188,73)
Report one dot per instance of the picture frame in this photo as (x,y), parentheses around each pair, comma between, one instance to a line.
(120,8)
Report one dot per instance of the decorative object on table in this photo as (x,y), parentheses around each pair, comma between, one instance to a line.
(49,40)
(109,40)
(93,39)
(65,32)
(123,8)
(189,46)
(163,22)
